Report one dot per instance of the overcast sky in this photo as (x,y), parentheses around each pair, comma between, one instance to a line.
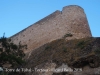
(15,15)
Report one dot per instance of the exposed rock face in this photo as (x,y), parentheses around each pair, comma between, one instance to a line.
(43,69)
(71,19)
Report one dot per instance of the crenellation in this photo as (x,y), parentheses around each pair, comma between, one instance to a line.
(71,19)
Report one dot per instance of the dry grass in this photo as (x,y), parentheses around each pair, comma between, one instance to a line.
(62,51)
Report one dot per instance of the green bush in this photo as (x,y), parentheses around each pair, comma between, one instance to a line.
(81,44)
(64,49)
(97,51)
(11,53)
(3,73)
(67,35)
(47,47)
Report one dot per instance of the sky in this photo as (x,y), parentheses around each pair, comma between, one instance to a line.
(16,15)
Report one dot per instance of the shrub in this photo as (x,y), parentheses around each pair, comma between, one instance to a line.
(47,47)
(97,51)
(11,53)
(67,35)
(81,44)
(64,49)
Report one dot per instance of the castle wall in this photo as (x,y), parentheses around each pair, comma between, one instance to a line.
(70,20)
(75,20)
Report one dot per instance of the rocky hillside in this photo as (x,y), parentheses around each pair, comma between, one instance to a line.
(83,54)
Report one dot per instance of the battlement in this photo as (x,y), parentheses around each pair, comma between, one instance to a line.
(71,19)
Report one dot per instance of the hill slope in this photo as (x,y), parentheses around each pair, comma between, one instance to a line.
(77,53)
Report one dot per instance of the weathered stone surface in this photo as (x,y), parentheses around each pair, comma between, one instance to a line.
(43,69)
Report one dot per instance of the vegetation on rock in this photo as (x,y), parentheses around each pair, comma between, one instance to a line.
(62,51)
(11,53)
(67,35)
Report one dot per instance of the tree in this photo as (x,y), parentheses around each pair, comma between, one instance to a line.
(11,53)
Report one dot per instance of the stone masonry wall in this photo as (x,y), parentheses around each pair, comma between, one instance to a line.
(71,19)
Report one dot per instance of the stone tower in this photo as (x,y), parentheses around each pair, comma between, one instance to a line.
(71,19)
